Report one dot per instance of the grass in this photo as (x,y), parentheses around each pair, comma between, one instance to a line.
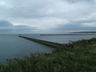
(73,57)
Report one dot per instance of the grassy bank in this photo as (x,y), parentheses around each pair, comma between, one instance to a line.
(73,57)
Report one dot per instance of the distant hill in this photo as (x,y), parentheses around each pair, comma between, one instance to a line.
(85,32)
(71,33)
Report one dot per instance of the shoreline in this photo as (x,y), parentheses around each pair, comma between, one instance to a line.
(77,56)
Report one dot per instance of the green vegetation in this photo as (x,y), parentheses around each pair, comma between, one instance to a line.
(73,57)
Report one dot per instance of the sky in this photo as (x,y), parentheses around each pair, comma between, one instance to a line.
(47,16)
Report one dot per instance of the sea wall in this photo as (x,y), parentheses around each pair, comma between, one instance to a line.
(47,43)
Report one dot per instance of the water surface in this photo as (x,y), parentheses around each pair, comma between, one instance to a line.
(12,46)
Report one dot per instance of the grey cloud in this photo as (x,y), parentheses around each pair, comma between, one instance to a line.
(23,29)
(77,25)
(75,1)
(7,27)
(4,23)
(27,9)
(50,8)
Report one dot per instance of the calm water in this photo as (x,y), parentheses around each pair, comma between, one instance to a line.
(12,46)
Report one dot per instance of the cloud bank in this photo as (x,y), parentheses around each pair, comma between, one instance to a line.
(42,16)
(7,27)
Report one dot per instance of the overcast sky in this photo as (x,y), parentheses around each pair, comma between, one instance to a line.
(47,16)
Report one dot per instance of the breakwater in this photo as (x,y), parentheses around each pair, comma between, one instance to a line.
(47,43)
